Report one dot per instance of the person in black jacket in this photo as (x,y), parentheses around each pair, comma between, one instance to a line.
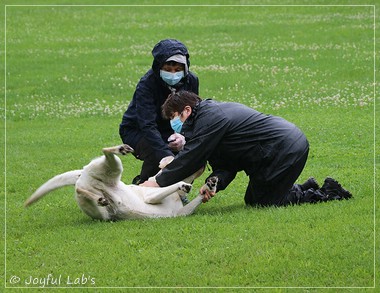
(142,126)
(232,138)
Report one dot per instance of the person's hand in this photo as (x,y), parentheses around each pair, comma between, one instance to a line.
(207,194)
(149,184)
(176,142)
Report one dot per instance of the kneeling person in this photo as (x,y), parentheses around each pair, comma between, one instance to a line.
(232,138)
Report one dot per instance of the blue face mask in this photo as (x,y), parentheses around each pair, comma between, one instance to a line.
(176,124)
(171,78)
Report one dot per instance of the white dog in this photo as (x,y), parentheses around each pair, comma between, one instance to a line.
(101,195)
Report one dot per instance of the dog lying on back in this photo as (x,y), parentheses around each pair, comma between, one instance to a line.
(101,194)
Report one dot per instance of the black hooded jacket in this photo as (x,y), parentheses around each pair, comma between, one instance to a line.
(143,117)
(233,137)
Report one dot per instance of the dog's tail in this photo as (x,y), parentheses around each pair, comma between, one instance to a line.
(61,180)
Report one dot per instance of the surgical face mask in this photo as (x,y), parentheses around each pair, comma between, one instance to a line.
(176,124)
(171,78)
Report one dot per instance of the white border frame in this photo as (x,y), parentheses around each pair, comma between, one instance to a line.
(6,281)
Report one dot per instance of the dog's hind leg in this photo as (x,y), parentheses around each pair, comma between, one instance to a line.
(118,150)
(95,206)
(111,167)
(100,200)
(110,153)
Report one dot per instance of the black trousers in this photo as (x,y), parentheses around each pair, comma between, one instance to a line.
(280,191)
(143,151)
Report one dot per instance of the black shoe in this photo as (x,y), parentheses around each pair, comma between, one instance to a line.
(136,180)
(333,189)
(310,183)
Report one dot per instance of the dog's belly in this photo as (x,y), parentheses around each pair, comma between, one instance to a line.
(136,208)
(125,201)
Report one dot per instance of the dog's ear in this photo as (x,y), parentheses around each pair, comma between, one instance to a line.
(165,161)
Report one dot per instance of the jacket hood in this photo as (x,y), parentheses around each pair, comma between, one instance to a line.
(165,49)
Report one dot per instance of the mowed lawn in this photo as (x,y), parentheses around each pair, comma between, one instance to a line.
(70,74)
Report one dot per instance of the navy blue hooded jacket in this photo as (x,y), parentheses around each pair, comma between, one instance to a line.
(143,117)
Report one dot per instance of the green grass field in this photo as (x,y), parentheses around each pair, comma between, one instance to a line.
(70,74)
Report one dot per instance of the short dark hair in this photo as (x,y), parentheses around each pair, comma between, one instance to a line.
(177,101)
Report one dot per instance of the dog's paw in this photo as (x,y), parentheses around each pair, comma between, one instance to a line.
(211,183)
(165,161)
(125,149)
(103,202)
(185,187)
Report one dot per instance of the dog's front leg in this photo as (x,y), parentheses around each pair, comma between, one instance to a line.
(154,195)
(190,208)
(190,180)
